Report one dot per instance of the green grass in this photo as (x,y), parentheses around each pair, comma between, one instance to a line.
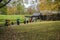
(44,30)
(44,25)
(11,17)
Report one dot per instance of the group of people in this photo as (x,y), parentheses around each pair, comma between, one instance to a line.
(29,20)
(26,21)
(8,22)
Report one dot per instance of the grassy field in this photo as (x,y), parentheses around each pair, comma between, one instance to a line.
(44,30)
(11,17)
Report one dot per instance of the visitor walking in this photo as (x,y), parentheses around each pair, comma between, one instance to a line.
(18,21)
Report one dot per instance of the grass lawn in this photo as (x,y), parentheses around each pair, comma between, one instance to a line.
(44,30)
(11,17)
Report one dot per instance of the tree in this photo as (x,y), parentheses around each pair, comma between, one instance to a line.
(16,8)
(20,7)
(4,3)
(3,7)
(51,5)
(54,5)
(3,10)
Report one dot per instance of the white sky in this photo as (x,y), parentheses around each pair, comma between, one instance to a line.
(53,0)
(29,3)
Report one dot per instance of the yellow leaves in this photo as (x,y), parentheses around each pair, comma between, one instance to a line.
(11,10)
(42,6)
(48,6)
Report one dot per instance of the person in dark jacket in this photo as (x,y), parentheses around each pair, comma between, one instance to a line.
(12,23)
(18,21)
(7,22)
